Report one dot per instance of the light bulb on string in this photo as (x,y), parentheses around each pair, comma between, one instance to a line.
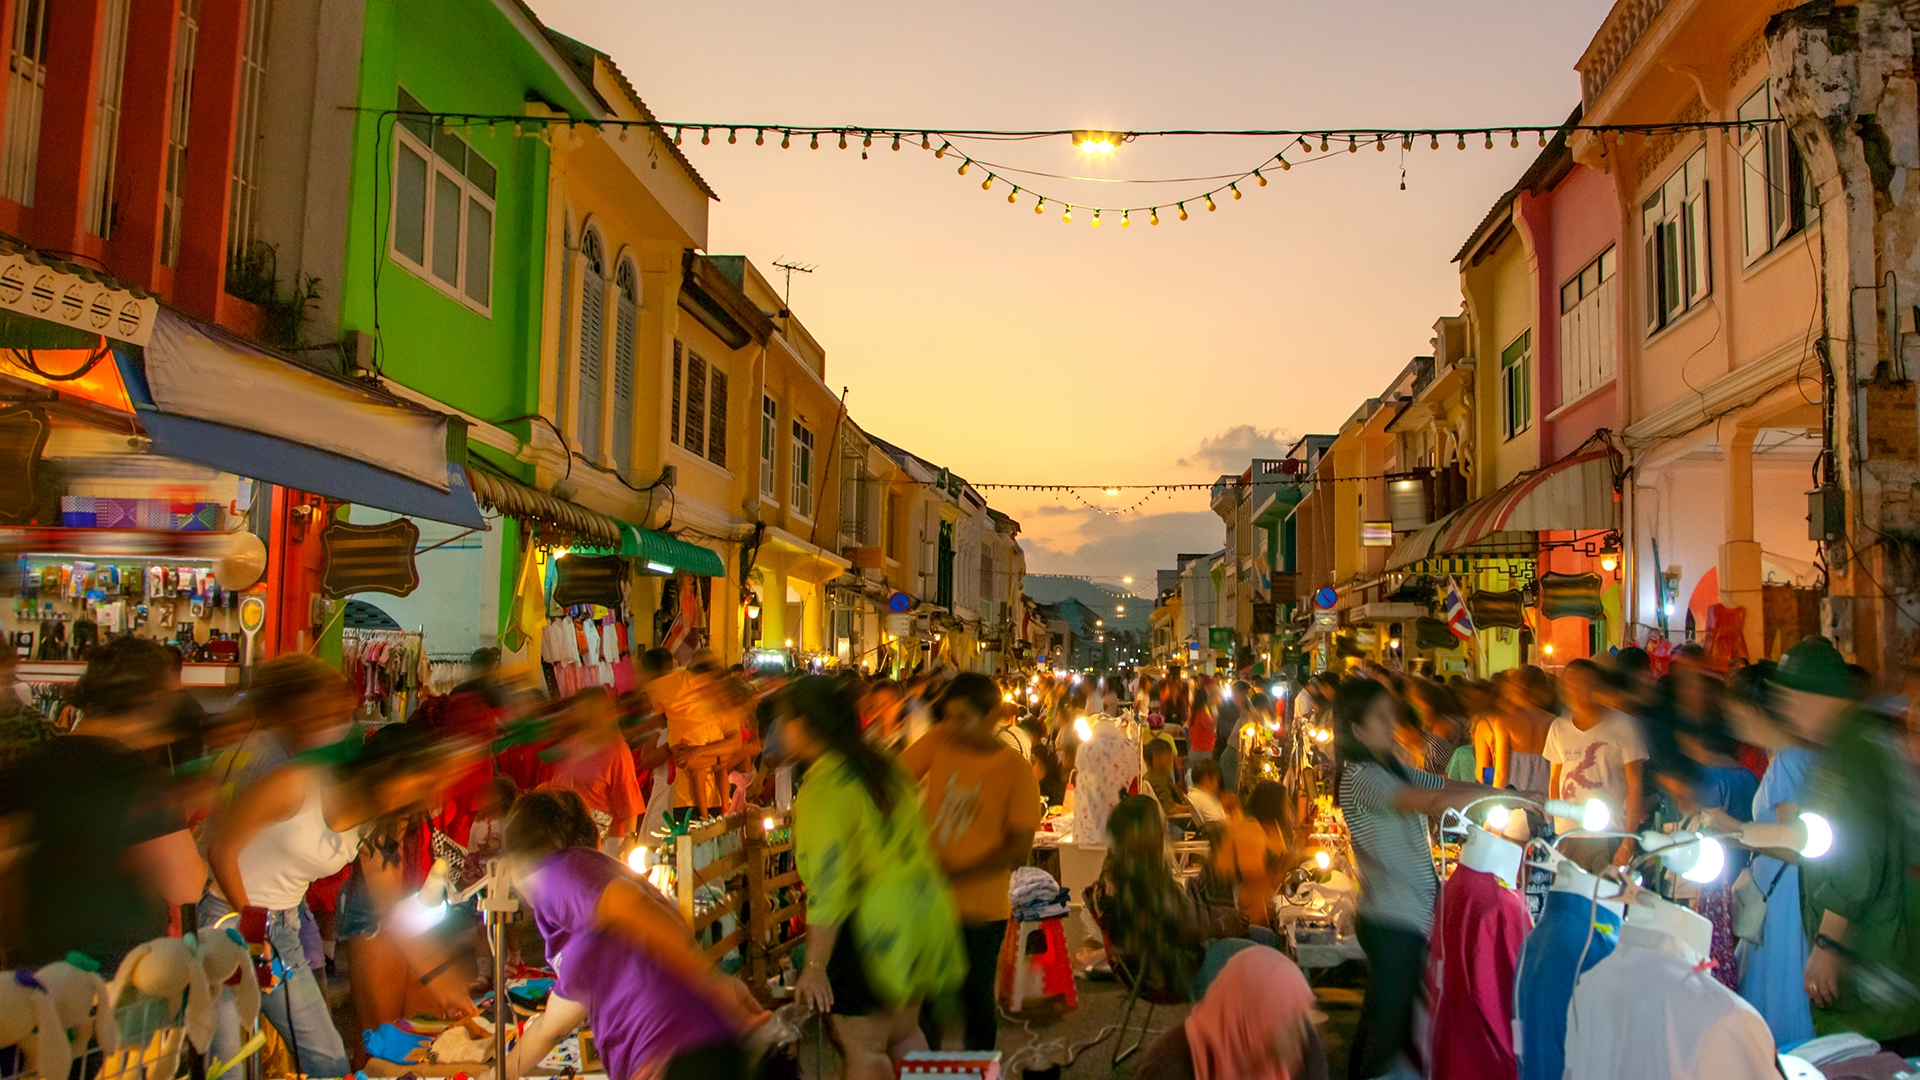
(1489,140)
(1210,207)
(1125,218)
(843,140)
(1305,146)
(1353,144)
(1543,136)
(1040,207)
(623,131)
(1436,142)
(706,136)
(1323,144)
(866,141)
(942,152)
(1235,189)
(1380,143)
(1153,215)
(987,184)
(1516,140)
(1183,210)
(786,139)
(814,143)
(1463,140)
(963,166)
(1096,219)
(759,136)
(1067,214)
(896,142)
(1014,194)
(925,143)
(1285,164)
(1406,142)
(676,134)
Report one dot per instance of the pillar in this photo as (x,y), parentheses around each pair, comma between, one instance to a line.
(1740,574)
(145,117)
(201,276)
(66,125)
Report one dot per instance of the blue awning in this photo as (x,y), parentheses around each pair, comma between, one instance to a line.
(277,461)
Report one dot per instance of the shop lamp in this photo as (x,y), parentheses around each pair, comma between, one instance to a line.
(1609,562)
(1322,735)
(1498,818)
(1083,729)
(1593,815)
(427,908)
(659,567)
(1696,857)
(1007,697)
(1322,860)
(1811,836)
(753,609)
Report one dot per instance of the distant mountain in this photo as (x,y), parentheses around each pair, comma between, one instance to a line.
(1104,599)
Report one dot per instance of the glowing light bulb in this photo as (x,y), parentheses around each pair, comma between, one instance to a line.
(987,184)
(1067,214)
(1125,220)
(1248,732)
(1323,144)
(1547,648)
(1819,835)
(1235,189)
(1096,219)
(1258,179)
(1153,216)
(1322,860)
(1322,735)
(964,165)
(1609,563)
(637,860)
(1183,211)
(1040,207)
(767,823)
(1014,194)
(1497,819)
(942,152)
(925,142)
(1285,164)
(1707,866)
(1081,727)
(786,139)
(1353,145)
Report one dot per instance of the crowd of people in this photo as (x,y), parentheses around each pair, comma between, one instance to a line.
(912,804)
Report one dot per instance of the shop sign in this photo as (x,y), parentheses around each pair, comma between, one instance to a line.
(900,625)
(588,579)
(1325,622)
(1220,638)
(370,558)
(23,435)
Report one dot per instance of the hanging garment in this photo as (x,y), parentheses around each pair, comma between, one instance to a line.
(1652,1011)
(1106,770)
(1571,925)
(1479,928)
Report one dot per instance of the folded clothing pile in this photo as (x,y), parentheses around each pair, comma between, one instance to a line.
(1035,895)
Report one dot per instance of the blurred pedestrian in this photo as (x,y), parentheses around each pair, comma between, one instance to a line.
(1159,930)
(1596,753)
(883,933)
(1252,851)
(1255,1023)
(599,767)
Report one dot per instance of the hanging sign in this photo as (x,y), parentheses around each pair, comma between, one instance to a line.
(1220,638)
(588,579)
(370,558)
(1325,597)
(23,435)
(900,625)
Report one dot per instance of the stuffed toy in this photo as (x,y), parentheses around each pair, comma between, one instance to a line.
(226,962)
(80,997)
(29,1020)
(166,968)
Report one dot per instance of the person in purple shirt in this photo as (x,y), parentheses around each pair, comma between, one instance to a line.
(622,957)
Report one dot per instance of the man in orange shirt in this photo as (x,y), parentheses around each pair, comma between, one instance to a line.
(983,804)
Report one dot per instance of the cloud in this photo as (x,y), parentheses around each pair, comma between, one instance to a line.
(1229,451)
(1136,544)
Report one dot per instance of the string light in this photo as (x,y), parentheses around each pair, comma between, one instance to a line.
(1014,194)
(925,144)
(1407,143)
(1463,140)
(1353,144)
(1305,146)
(1436,142)
(1096,219)
(1067,214)
(759,136)
(732,137)
(963,166)
(987,184)
(1489,140)
(1210,207)
(1516,139)
(1125,218)
(896,142)
(843,140)
(942,152)
(814,143)
(1183,211)
(1380,144)
(1040,207)
(706,136)
(1261,180)
(1153,215)
(866,142)
(676,134)
(1235,189)
(786,140)
(1323,144)
(1543,137)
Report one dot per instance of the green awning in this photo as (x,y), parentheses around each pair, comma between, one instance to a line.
(659,554)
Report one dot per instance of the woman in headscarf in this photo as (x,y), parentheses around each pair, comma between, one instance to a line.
(1253,1024)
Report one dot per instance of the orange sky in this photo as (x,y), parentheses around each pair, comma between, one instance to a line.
(1012,347)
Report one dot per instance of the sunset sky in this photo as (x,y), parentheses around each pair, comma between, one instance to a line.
(1015,348)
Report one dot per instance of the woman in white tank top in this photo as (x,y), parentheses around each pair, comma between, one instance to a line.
(301,823)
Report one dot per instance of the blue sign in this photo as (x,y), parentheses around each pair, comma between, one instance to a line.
(1325,597)
(899,602)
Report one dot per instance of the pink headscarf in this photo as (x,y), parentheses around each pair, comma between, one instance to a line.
(1231,1032)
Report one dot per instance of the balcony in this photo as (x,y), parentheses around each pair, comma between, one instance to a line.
(1611,46)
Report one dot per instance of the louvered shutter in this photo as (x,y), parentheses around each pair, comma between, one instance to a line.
(623,329)
(696,427)
(593,307)
(673,421)
(717,423)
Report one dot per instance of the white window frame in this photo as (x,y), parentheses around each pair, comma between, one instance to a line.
(186,45)
(802,500)
(1588,350)
(626,328)
(243,207)
(26,95)
(1674,244)
(470,192)
(769,444)
(1516,387)
(590,344)
(106,118)
(1776,201)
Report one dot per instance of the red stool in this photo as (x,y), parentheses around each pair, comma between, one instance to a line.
(1034,963)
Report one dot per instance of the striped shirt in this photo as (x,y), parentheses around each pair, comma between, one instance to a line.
(1397,883)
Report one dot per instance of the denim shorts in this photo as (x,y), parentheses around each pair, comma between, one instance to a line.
(356,918)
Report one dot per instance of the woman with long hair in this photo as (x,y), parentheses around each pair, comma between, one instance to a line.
(883,933)
(1160,930)
(1385,804)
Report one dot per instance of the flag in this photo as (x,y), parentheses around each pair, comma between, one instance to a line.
(1458,620)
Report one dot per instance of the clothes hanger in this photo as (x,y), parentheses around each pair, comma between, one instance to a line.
(1648,911)
(1491,853)
(1570,877)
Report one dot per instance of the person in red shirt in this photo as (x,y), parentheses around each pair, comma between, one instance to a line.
(599,766)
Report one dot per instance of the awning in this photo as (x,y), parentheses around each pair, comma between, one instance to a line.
(278,461)
(1573,494)
(203,372)
(658,553)
(571,521)
(798,558)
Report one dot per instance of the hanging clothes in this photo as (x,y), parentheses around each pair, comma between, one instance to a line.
(1479,927)
(1572,925)
(1652,1011)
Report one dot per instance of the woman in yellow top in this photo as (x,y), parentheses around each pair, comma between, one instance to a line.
(882,929)
(1252,852)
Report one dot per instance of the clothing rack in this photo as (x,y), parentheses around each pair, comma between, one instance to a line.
(388,669)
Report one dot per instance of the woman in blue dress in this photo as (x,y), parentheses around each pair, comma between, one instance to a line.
(1773,972)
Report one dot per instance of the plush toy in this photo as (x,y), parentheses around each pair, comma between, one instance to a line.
(80,997)
(29,1020)
(226,962)
(166,968)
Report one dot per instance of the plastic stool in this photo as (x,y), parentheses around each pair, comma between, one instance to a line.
(1034,963)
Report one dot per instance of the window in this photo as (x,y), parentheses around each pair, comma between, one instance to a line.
(185,41)
(626,317)
(1674,243)
(701,426)
(1516,385)
(769,434)
(1586,329)
(106,118)
(443,208)
(673,421)
(243,207)
(717,416)
(565,344)
(1772,177)
(593,339)
(802,501)
(26,89)
(693,429)
(896,513)
(856,498)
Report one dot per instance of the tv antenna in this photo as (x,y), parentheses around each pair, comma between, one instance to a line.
(791,267)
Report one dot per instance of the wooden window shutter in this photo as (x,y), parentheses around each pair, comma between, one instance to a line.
(717,422)
(673,424)
(695,431)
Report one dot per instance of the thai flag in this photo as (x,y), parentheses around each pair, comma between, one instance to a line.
(1458,620)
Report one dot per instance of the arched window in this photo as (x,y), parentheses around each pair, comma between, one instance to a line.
(560,409)
(626,317)
(593,304)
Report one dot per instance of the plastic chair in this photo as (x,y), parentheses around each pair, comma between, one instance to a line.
(1034,963)
(1177,993)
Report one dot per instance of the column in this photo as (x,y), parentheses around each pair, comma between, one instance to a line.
(200,279)
(1740,573)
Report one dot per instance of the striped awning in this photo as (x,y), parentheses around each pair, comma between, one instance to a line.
(570,520)
(659,554)
(1573,494)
